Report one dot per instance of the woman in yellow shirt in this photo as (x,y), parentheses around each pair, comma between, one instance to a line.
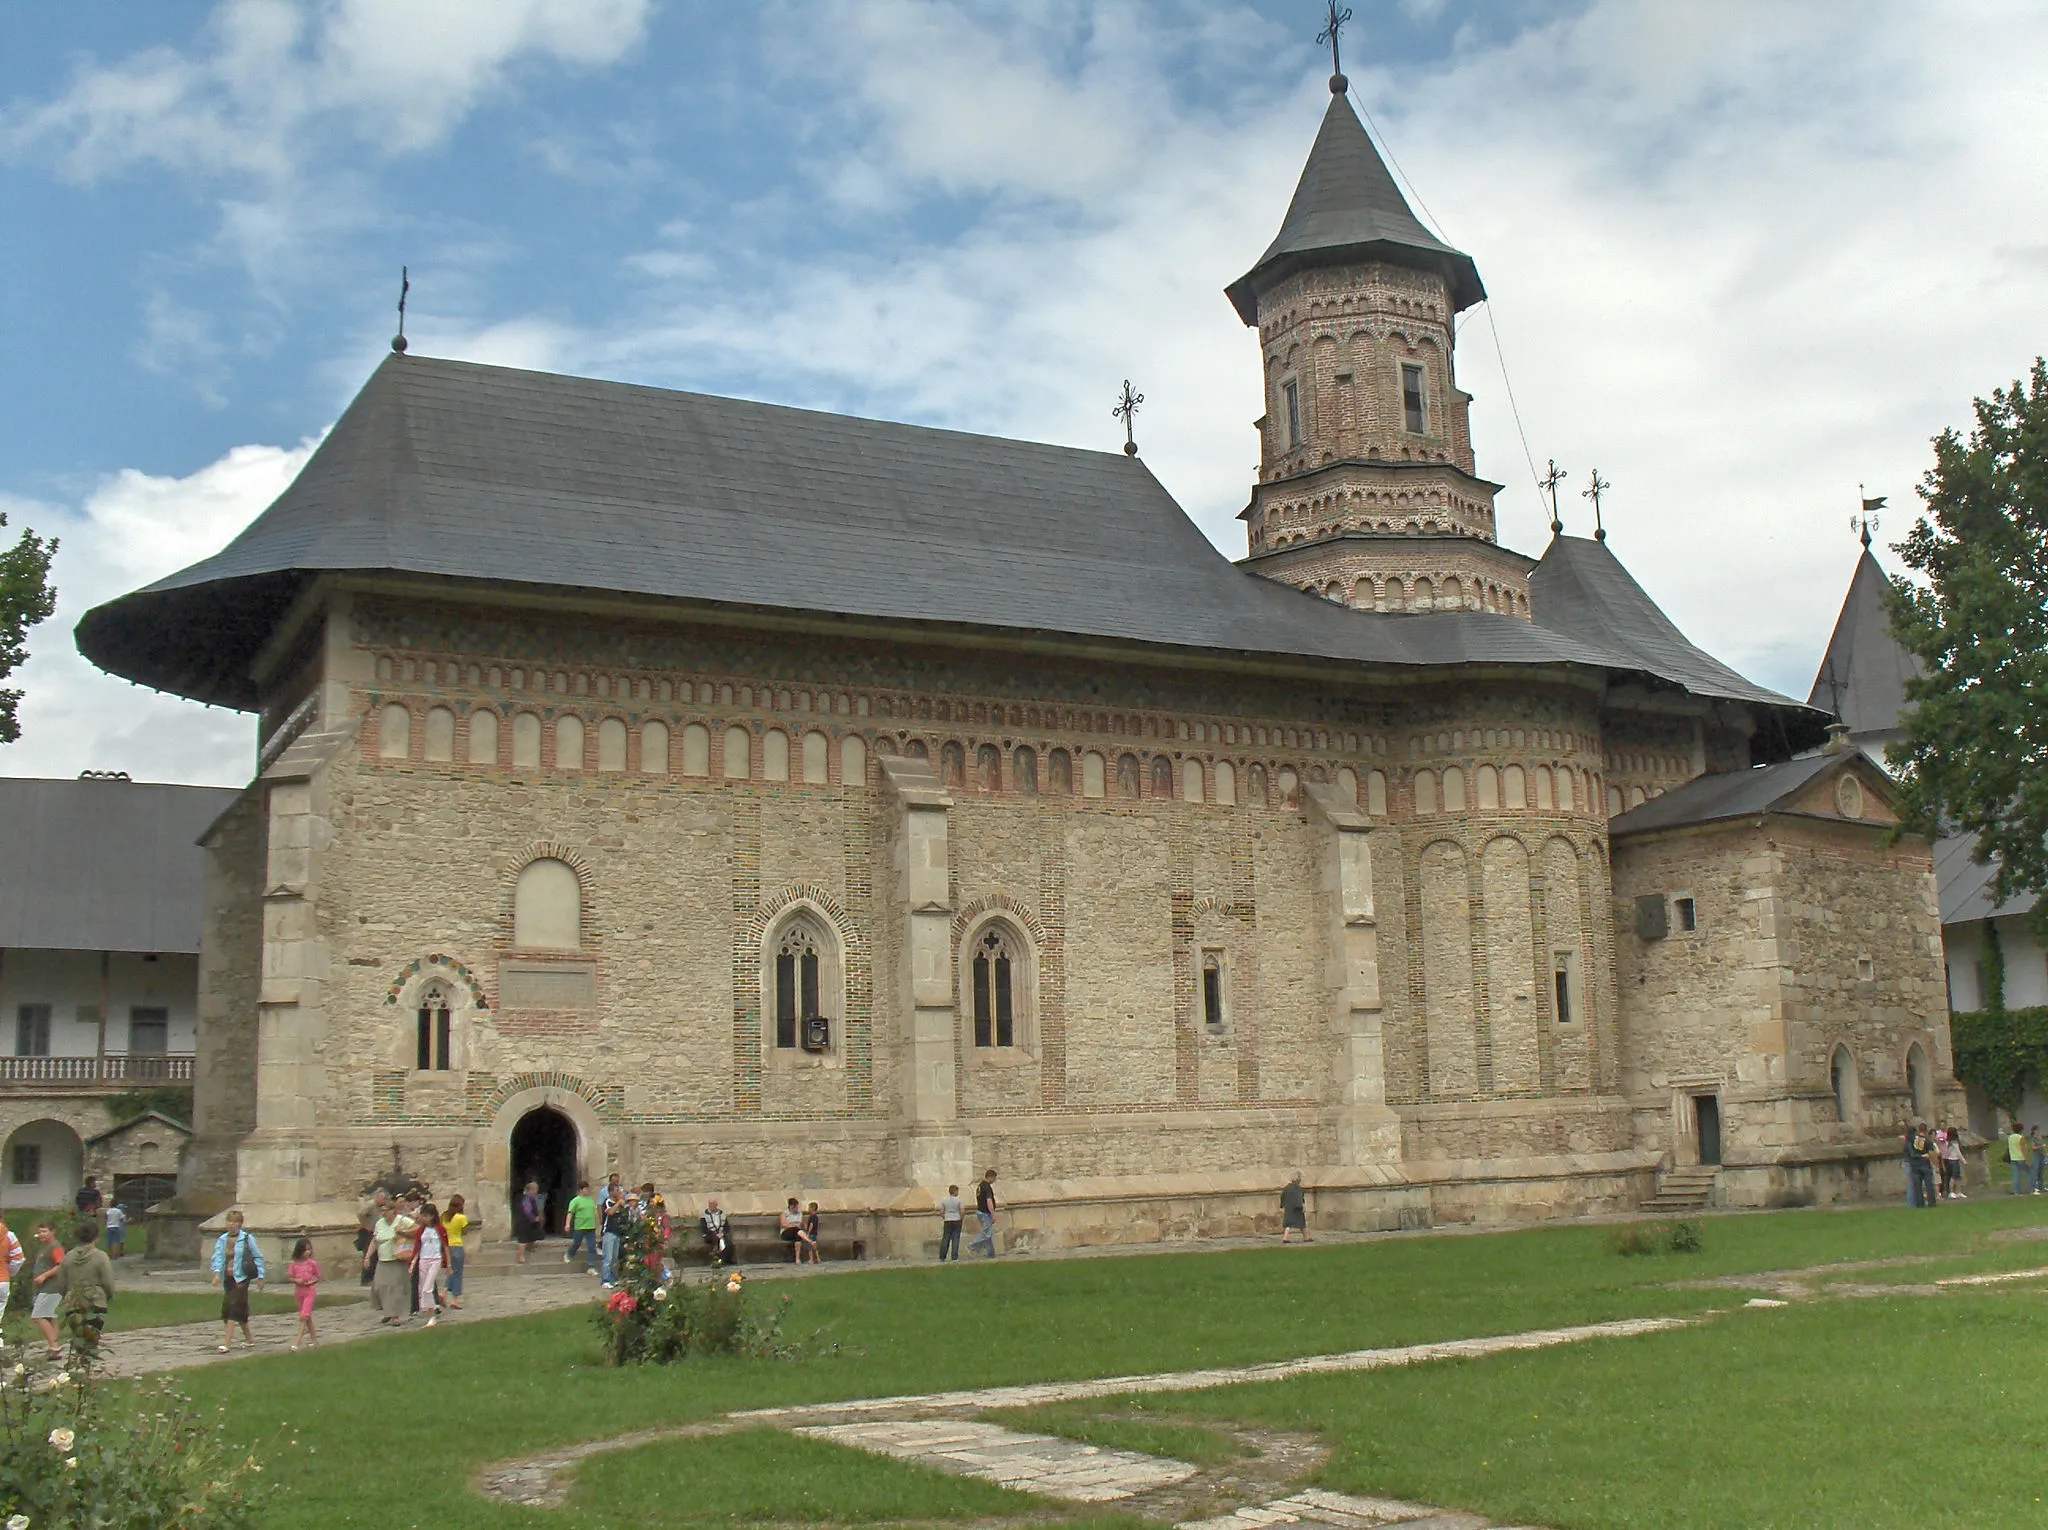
(455,1224)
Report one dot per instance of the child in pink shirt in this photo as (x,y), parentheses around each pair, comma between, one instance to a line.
(305,1276)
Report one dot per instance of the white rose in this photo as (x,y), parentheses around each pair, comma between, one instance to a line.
(61,1379)
(17,1522)
(62,1438)
(72,1462)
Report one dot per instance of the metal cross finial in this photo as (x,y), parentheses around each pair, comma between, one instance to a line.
(1127,411)
(404,286)
(1338,21)
(1866,523)
(1593,491)
(1549,481)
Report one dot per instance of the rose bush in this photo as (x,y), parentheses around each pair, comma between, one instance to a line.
(651,1320)
(78,1456)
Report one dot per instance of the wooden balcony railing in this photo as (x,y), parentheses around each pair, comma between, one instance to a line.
(132,1068)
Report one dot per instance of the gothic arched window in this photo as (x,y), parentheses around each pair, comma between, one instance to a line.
(994,976)
(434,1048)
(799,956)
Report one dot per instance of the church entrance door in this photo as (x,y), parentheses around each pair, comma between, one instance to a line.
(1707,1113)
(545,1150)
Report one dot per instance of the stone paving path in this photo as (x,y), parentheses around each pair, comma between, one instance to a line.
(1313,1506)
(1030,1463)
(144,1351)
(1034,1393)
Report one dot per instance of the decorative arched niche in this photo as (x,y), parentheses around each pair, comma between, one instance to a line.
(549,966)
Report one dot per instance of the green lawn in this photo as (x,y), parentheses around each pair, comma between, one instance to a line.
(448,1402)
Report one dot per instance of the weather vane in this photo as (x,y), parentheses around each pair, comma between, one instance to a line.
(1127,411)
(404,286)
(1549,481)
(1593,491)
(1338,20)
(1866,523)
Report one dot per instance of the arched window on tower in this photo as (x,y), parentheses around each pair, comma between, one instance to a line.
(953,765)
(994,977)
(988,768)
(1842,1077)
(434,1033)
(1162,776)
(1127,775)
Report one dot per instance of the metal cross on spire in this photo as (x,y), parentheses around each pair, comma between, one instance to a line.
(1338,21)
(1866,522)
(404,286)
(1593,491)
(1127,411)
(1549,482)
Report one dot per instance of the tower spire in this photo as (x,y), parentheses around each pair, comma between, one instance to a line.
(1337,22)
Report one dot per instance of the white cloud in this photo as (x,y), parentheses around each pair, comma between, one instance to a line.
(396,75)
(131,529)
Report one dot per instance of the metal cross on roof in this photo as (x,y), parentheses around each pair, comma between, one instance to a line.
(1338,21)
(404,286)
(1593,491)
(1549,481)
(1127,411)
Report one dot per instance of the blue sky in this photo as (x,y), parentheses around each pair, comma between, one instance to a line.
(1741,257)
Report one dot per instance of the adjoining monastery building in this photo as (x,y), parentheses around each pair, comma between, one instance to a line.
(765,802)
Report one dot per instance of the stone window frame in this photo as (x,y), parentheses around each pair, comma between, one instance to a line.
(1685,914)
(831,942)
(1024,974)
(432,981)
(1293,418)
(1420,367)
(1214,958)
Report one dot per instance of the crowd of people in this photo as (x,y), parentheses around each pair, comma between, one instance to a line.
(69,1284)
(1934,1164)
(412,1260)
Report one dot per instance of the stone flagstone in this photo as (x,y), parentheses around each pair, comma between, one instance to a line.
(1031,1463)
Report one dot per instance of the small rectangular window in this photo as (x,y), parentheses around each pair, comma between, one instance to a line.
(1413,411)
(1214,1019)
(1686,914)
(28,1163)
(1291,392)
(32,1031)
(149,1031)
(1562,978)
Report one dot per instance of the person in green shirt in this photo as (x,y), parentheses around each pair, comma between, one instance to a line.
(87,1280)
(582,1223)
(2018,1151)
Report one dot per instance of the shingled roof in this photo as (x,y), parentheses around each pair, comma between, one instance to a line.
(1346,207)
(448,468)
(103,865)
(1863,676)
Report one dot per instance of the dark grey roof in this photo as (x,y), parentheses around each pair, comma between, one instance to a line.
(1863,676)
(1346,207)
(1580,587)
(148,1117)
(1740,793)
(103,865)
(476,472)
(1966,886)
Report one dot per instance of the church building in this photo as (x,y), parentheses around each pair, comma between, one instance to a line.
(764,802)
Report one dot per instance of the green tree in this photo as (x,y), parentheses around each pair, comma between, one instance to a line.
(1975,755)
(25,599)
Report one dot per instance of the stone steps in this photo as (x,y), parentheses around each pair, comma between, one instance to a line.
(1682,1190)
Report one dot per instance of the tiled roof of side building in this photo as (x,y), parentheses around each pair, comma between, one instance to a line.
(453,469)
(1728,794)
(1965,885)
(99,865)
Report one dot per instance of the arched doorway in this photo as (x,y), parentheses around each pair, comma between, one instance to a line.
(42,1166)
(546,1150)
